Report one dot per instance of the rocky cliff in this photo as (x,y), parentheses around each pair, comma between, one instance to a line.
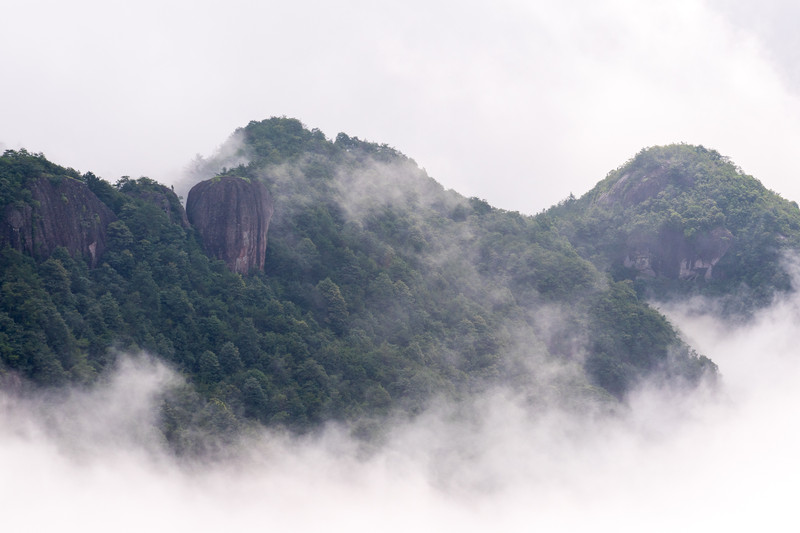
(232,216)
(671,255)
(64,212)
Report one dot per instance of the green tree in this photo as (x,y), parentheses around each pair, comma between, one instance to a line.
(208,368)
(336,314)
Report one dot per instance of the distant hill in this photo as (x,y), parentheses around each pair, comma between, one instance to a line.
(379,289)
(682,220)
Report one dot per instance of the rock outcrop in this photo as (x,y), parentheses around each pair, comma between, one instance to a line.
(675,212)
(232,216)
(672,255)
(635,187)
(64,212)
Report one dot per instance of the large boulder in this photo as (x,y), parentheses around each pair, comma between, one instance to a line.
(64,212)
(232,216)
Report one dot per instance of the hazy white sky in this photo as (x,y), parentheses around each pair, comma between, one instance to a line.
(519,102)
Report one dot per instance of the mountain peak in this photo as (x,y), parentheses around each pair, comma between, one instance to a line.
(665,170)
(684,218)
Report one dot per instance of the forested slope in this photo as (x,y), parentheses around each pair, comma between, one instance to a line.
(380,290)
(683,220)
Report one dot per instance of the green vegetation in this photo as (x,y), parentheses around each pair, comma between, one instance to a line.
(381,290)
(682,202)
(18,167)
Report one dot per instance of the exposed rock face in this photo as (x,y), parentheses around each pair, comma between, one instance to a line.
(632,189)
(64,213)
(672,255)
(232,216)
(643,194)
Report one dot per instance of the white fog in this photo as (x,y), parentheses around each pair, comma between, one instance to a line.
(706,460)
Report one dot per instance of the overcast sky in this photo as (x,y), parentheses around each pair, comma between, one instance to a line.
(518,102)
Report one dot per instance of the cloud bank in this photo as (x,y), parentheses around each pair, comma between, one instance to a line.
(672,460)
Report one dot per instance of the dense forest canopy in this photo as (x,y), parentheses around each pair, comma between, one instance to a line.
(381,290)
(683,202)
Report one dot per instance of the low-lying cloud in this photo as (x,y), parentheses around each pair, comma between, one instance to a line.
(671,460)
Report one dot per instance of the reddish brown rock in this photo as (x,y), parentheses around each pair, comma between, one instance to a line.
(232,216)
(64,212)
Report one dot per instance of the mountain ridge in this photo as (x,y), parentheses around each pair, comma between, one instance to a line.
(683,219)
(380,291)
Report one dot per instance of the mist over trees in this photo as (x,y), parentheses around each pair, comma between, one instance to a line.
(380,289)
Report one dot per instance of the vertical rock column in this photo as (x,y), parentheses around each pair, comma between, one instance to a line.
(232,216)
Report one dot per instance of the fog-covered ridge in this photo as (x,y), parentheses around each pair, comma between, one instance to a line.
(407,355)
(379,291)
(672,460)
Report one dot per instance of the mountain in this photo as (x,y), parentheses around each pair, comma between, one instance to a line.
(682,220)
(377,289)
